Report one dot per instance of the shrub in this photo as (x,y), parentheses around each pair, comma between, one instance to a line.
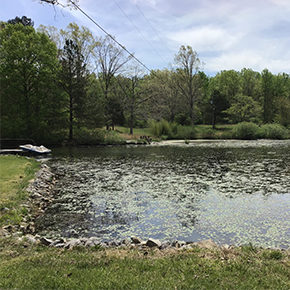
(273,131)
(182,119)
(85,136)
(246,131)
(160,128)
(273,255)
(112,137)
(208,133)
(185,132)
(167,130)
(225,135)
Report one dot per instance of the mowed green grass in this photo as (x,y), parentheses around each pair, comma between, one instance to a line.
(15,173)
(24,266)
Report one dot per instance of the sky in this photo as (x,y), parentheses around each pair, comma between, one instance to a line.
(226,34)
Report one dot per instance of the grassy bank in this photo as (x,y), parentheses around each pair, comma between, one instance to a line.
(15,173)
(164,130)
(25,266)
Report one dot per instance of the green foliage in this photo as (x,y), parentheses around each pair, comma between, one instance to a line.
(246,130)
(244,109)
(112,137)
(31,104)
(182,119)
(273,131)
(168,130)
(208,133)
(160,128)
(46,92)
(283,115)
(249,248)
(273,255)
(185,132)
(85,136)
(268,91)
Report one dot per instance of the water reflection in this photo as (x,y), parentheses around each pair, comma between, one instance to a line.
(230,194)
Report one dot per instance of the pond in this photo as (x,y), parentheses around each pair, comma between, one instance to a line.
(233,192)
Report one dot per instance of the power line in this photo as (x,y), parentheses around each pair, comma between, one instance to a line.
(152,27)
(139,31)
(109,35)
(53,2)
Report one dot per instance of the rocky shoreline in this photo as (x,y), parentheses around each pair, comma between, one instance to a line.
(41,194)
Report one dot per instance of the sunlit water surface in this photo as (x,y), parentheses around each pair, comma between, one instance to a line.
(233,192)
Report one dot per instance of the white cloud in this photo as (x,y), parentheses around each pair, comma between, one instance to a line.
(253,59)
(226,34)
(206,38)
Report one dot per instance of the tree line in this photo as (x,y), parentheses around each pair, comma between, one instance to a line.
(54,82)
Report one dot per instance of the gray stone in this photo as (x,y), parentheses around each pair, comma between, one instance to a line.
(126,242)
(31,239)
(8,228)
(207,244)
(60,245)
(186,247)
(5,209)
(113,243)
(3,233)
(90,243)
(153,243)
(226,247)
(104,245)
(58,241)
(73,243)
(165,245)
(136,240)
(178,244)
(45,241)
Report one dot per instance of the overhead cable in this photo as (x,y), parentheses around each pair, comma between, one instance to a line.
(109,35)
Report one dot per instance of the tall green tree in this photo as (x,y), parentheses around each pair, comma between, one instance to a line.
(251,84)
(268,96)
(75,59)
(30,106)
(244,109)
(188,79)
(73,78)
(110,60)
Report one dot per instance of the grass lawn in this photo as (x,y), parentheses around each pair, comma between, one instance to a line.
(25,266)
(137,132)
(15,173)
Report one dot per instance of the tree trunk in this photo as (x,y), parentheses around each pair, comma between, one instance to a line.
(70,118)
(131,120)
(213,118)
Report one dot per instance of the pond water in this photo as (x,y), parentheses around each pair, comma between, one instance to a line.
(233,192)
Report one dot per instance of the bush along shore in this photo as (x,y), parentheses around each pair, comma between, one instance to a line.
(164,130)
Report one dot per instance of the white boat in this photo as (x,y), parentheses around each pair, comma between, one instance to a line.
(35,149)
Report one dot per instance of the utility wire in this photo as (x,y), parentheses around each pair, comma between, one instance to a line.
(139,31)
(109,35)
(151,25)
